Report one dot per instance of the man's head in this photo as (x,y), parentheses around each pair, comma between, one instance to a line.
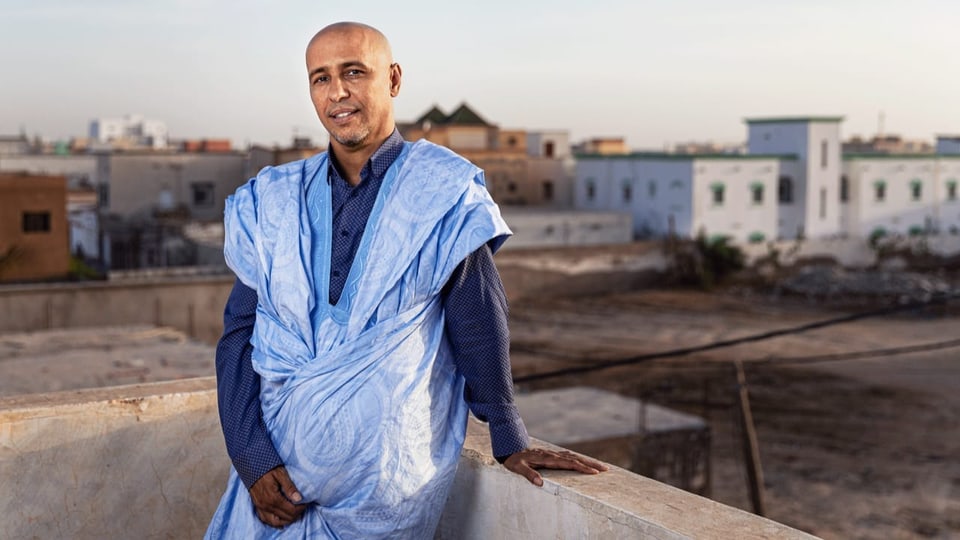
(352,82)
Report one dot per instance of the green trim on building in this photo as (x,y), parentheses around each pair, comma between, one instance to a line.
(717,185)
(757,185)
(916,230)
(756,237)
(952,182)
(880,182)
(794,120)
(916,182)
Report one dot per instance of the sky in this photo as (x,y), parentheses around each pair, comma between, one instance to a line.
(655,72)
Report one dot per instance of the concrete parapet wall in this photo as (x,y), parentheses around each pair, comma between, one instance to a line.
(193,305)
(143,461)
(148,461)
(192,302)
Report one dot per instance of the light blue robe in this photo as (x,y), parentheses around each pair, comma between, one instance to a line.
(362,399)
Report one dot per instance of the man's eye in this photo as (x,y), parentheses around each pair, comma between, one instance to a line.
(321,80)
(354,73)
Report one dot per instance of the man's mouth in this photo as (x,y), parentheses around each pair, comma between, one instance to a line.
(342,114)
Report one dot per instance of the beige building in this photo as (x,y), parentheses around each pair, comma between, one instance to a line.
(34,233)
(604,146)
(191,186)
(516,173)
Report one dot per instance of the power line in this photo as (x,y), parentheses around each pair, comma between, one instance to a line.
(577,370)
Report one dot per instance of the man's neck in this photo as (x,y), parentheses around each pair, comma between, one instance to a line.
(351,161)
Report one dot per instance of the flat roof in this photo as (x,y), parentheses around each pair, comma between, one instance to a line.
(580,413)
(793,119)
(74,358)
(862,156)
(663,156)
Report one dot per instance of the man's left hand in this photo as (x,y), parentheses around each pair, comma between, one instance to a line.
(526,462)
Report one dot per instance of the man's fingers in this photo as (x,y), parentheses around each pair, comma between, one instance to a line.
(287,487)
(529,473)
(272,502)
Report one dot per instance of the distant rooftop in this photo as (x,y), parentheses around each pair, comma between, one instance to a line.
(664,156)
(69,359)
(794,120)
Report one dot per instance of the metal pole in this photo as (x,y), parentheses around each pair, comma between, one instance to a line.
(751,448)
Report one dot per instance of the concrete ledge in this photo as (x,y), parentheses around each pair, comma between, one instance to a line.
(147,461)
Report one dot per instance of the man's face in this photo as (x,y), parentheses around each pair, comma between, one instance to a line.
(352,83)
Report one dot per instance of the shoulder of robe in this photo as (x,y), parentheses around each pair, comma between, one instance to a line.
(450,165)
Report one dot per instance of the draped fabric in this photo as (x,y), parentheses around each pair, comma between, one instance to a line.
(362,399)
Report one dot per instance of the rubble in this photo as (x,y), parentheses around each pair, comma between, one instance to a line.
(835,281)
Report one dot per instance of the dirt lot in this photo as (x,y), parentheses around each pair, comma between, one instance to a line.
(862,448)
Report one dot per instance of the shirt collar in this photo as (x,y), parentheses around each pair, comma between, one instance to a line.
(380,161)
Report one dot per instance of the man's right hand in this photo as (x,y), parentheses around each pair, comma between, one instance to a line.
(276,498)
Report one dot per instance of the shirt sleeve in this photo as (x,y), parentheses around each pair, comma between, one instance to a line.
(238,390)
(475,307)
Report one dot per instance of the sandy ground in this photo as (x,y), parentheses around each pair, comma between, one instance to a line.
(866,448)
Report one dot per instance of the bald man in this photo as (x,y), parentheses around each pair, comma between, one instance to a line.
(366,319)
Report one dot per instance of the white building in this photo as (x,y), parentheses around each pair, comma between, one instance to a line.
(131,130)
(948,144)
(808,184)
(819,192)
(721,194)
(901,194)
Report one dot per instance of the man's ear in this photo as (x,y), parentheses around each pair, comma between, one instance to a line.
(395,75)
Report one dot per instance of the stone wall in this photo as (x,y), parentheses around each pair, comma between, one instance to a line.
(148,461)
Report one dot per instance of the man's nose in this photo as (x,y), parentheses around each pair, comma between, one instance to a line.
(338,90)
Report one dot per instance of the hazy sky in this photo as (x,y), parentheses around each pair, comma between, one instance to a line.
(654,72)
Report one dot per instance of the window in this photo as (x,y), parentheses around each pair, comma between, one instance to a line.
(591,190)
(823,203)
(823,154)
(36,222)
(879,191)
(512,187)
(627,193)
(785,190)
(548,149)
(951,190)
(547,190)
(511,141)
(717,194)
(756,237)
(103,195)
(756,192)
(202,193)
(916,190)
(652,189)
(844,189)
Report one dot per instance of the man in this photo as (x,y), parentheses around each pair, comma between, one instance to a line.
(366,317)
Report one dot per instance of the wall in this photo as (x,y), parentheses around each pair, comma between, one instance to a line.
(142,182)
(39,254)
(738,216)
(148,461)
(538,228)
(75,167)
(193,305)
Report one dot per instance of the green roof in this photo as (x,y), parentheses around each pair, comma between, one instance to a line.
(465,116)
(793,119)
(462,116)
(434,116)
(663,156)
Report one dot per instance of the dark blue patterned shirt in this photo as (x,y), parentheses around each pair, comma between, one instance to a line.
(476,326)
